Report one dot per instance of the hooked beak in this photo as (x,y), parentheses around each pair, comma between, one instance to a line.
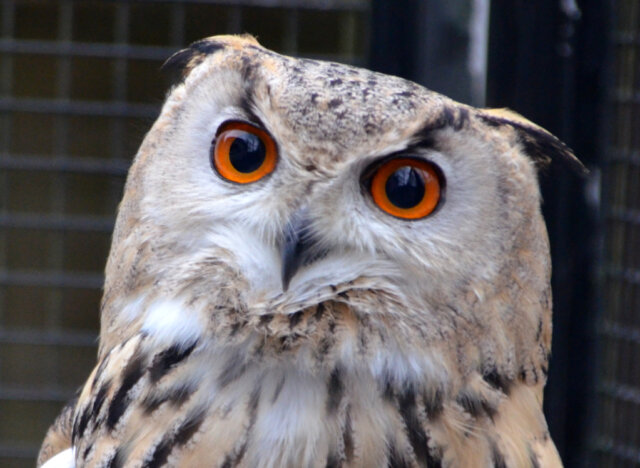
(296,244)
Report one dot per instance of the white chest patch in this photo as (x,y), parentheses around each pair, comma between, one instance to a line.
(290,430)
(65,459)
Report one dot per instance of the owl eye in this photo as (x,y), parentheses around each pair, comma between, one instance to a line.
(407,188)
(243,153)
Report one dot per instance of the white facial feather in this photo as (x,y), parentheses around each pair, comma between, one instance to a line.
(171,322)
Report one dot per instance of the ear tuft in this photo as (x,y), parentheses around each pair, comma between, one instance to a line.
(539,144)
(185,60)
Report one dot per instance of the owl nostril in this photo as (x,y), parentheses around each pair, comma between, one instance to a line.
(296,246)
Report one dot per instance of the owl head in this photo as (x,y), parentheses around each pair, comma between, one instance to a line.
(274,192)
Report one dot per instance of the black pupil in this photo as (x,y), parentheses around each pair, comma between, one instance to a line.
(247,153)
(405,187)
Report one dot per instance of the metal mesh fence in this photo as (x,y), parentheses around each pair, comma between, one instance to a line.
(79,86)
(618,402)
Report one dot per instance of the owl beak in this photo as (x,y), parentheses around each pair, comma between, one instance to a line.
(295,246)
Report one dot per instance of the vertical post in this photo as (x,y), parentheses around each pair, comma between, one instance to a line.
(539,54)
(291,26)
(394,30)
(6,78)
(427,42)
(61,131)
(118,125)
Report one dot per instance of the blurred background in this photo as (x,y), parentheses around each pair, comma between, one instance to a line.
(80,84)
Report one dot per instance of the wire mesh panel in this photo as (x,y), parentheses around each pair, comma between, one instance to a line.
(618,427)
(79,86)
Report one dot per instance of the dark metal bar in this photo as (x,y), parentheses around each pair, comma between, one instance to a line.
(56,222)
(84,165)
(625,96)
(117,127)
(290,32)
(335,5)
(13,450)
(51,279)
(624,452)
(85,49)
(629,275)
(234,19)
(178,18)
(57,198)
(7,21)
(620,332)
(625,38)
(620,392)
(347,33)
(115,51)
(631,157)
(48,338)
(66,107)
(625,215)
(20,393)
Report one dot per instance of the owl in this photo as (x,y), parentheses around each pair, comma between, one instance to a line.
(316,265)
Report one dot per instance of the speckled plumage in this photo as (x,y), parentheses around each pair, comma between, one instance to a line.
(402,343)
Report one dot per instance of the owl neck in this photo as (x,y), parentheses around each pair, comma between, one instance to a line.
(328,384)
(334,382)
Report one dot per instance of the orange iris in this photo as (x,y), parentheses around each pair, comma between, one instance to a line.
(406,188)
(243,153)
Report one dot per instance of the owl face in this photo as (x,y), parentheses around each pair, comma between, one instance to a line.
(303,181)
